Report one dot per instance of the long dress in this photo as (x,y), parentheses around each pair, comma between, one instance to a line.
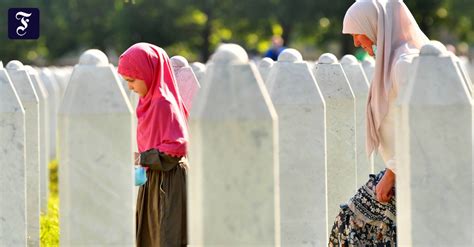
(161,202)
(364,221)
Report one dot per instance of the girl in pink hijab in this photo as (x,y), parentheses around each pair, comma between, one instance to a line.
(369,217)
(162,139)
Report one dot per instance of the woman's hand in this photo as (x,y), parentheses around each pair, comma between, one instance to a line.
(383,190)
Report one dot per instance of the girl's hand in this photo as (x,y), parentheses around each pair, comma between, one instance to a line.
(383,190)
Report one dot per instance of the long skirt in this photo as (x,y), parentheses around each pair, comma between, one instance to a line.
(364,221)
(161,208)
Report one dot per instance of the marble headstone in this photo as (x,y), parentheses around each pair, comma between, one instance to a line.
(360,87)
(42,93)
(340,129)
(199,70)
(470,69)
(461,66)
(96,175)
(302,150)
(13,224)
(264,67)
(54,94)
(434,175)
(29,99)
(62,76)
(233,187)
(188,84)
(368,64)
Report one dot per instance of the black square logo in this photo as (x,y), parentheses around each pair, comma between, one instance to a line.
(23,23)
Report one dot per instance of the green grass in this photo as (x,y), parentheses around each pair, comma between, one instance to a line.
(49,223)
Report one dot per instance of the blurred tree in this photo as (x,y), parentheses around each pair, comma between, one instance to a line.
(194,28)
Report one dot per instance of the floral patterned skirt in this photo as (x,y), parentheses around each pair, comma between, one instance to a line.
(364,221)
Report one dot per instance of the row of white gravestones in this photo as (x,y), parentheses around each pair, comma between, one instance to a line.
(435,170)
(296,90)
(340,131)
(233,181)
(29,99)
(96,165)
(12,164)
(35,100)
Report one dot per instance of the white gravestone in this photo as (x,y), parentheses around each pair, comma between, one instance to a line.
(434,175)
(302,144)
(340,131)
(368,64)
(264,67)
(96,178)
(188,84)
(360,87)
(54,93)
(12,164)
(471,69)
(42,94)
(233,180)
(199,70)
(29,99)
(461,66)
(62,77)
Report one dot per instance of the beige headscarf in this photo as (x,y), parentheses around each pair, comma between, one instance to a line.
(390,25)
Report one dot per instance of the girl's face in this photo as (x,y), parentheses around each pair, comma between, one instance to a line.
(136,85)
(361,40)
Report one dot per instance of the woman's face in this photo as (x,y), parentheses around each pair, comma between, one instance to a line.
(361,40)
(136,85)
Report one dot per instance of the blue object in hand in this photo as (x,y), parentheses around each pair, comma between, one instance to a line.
(140,176)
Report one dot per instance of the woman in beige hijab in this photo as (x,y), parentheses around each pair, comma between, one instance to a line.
(369,217)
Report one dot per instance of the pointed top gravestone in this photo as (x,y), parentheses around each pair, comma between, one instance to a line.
(44,135)
(234,113)
(95,136)
(54,94)
(434,193)
(13,231)
(264,67)
(368,64)
(302,150)
(340,124)
(188,84)
(360,87)
(199,70)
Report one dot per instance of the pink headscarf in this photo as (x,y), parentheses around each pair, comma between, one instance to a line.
(162,116)
(390,25)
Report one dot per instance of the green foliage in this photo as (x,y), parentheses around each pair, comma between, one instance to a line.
(195,27)
(49,223)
